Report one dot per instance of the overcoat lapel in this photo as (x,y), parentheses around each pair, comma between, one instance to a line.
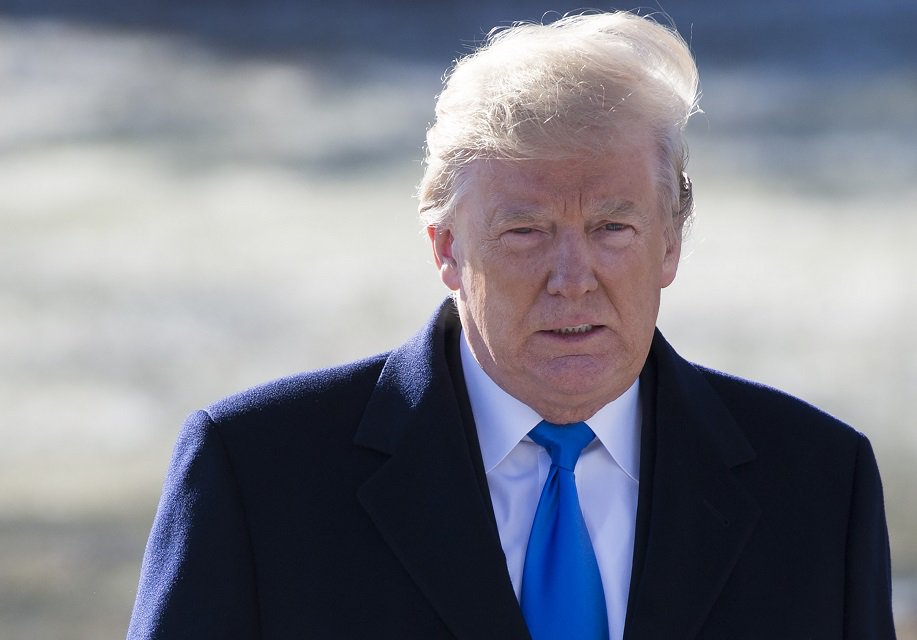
(426,500)
(700,514)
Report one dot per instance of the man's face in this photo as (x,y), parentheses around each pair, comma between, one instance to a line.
(558,266)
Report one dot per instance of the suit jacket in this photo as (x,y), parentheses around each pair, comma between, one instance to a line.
(351,503)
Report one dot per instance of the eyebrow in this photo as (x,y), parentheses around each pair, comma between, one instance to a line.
(522,212)
(517,213)
(618,207)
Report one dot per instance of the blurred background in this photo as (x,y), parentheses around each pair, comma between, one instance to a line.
(197,197)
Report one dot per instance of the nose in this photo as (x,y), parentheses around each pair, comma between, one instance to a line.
(573,272)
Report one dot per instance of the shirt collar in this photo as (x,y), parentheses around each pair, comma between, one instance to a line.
(502,421)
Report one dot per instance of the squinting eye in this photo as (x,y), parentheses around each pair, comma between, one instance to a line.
(522,230)
(613,226)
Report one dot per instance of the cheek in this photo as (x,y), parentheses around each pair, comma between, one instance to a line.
(497,306)
(632,279)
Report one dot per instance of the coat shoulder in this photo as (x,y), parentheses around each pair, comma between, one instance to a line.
(760,408)
(319,392)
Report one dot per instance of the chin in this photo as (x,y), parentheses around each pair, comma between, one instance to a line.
(576,373)
(575,390)
(587,382)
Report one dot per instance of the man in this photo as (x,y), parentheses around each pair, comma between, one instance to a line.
(427,492)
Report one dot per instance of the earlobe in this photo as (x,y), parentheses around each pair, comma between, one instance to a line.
(443,243)
(671,257)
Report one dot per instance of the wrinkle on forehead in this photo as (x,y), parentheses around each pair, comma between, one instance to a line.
(514,190)
(619,184)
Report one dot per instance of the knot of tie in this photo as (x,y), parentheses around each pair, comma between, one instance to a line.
(563,442)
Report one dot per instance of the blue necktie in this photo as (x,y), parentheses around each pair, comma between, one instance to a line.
(562,595)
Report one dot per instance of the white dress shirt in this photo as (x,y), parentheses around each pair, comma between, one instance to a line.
(607,476)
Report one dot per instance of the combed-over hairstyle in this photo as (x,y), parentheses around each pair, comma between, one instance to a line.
(567,89)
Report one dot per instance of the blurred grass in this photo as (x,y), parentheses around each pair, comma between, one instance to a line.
(177,224)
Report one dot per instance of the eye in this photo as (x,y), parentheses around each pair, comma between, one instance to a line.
(614,235)
(522,238)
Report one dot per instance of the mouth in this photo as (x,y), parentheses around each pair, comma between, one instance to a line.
(574,330)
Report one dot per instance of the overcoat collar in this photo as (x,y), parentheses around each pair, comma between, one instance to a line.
(427,503)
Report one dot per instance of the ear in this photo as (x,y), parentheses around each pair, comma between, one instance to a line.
(671,257)
(443,243)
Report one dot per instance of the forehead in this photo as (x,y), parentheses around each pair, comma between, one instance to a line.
(625,175)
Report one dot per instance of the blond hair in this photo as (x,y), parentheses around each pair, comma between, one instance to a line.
(562,90)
